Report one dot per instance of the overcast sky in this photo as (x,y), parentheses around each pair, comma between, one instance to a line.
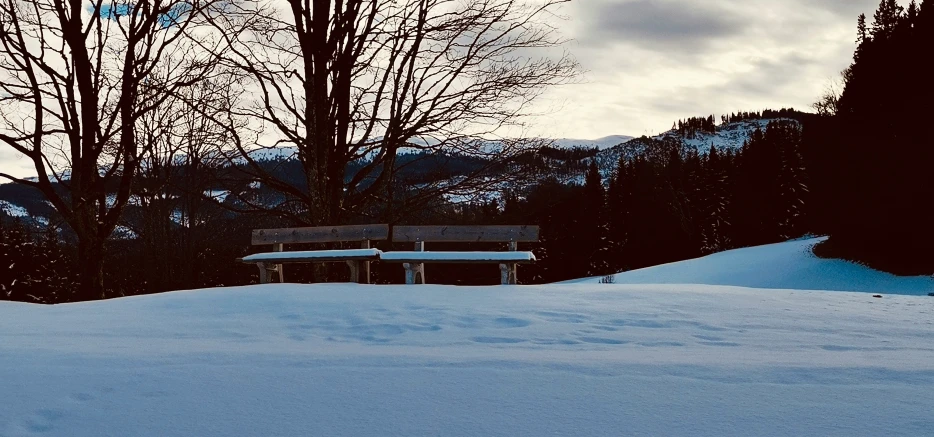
(651,62)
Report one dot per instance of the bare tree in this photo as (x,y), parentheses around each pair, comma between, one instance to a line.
(75,78)
(173,197)
(829,102)
(344,81)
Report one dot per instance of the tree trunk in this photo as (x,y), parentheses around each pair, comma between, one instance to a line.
(90,269)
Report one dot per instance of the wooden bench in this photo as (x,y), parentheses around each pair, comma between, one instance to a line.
(414,262)
(357,259)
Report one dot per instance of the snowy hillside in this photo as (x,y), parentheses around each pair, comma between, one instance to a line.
(600,143)
(789,265)
(728,136)
(13,210)
(584,360)
(277,153)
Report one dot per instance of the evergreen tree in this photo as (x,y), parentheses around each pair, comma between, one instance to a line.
(17,264)
(56,282)
(713,220)
(885,19)
(593,227)
(619,204)
(861,30)
(792,186)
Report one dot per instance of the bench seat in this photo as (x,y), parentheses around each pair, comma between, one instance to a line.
(357,259)
(457,257)
(313,255)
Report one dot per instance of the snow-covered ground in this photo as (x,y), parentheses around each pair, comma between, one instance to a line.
(581,360)
(789,265)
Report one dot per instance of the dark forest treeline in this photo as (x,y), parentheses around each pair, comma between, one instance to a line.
(879,149)
(670,203)
(690,127)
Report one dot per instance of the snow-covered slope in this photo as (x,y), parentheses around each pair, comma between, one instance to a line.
(728,136)
(600,143)
(277,153)
(568,360)
(13,210)
(19,212)
(783,265)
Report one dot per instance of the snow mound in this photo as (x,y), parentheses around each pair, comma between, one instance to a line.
(789,265)
(353,360)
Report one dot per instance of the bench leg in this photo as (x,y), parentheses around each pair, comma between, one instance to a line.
(263,274)
(354,271)
(414,273)
(507,273)
(278,267)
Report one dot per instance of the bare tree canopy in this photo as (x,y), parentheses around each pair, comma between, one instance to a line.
(343,81)
(89,93)
(75,78)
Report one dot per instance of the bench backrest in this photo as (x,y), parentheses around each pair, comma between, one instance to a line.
(321,234)
(491,234)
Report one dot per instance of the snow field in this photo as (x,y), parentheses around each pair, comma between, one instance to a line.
(355,360)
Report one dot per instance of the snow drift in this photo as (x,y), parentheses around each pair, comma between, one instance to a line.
(790,265)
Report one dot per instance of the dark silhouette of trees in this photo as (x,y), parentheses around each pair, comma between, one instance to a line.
(593,246)
(75,79)
(881,181)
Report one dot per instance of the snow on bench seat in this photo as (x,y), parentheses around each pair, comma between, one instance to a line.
(313,255)
(457,257)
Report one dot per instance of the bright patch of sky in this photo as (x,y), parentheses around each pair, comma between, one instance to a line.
(651,62)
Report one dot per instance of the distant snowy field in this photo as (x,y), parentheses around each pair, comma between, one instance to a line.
(564,360)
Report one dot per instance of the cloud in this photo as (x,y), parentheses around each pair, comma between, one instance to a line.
(651,62)
(659,24)
(769,76)
(850,8)
(13,163)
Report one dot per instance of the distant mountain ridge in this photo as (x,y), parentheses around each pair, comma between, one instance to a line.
(600,143)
